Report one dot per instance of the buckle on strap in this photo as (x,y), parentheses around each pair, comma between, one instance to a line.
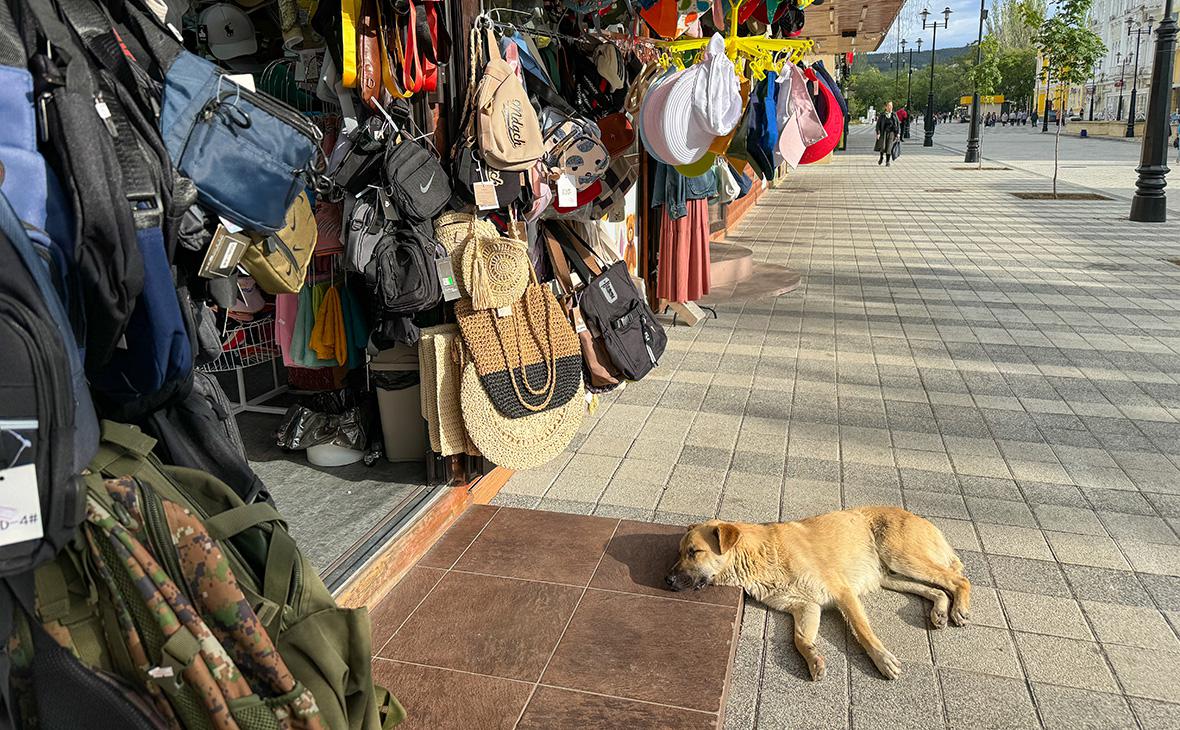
(176,655)
(146,209)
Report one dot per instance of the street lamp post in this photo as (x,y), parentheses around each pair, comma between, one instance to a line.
(1150,204)
(946,19)
(909,87)
(972,154)
(897,48)
(1135,78)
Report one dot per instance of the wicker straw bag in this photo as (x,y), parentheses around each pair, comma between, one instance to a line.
(440,371)
(492,270)
(518,443)
(529,360)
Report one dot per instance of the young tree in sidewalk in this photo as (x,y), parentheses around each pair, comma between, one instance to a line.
(1069,49)
(985,76)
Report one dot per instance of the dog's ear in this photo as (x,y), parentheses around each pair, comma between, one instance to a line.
(727,536)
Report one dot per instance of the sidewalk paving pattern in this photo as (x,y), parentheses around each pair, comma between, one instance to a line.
(1007,368)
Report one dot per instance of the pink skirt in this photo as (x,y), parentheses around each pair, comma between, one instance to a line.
(684,254)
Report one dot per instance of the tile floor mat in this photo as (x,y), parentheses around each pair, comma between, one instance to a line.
(528,619)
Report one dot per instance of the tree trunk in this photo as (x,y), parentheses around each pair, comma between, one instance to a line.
(1056,152)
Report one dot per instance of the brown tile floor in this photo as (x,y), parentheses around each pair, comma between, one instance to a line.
(526,619)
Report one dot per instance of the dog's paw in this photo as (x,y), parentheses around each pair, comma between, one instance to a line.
(818,668)
(888,664)
(960,617)
(938,617)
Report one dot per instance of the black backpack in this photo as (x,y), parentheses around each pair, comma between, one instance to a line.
(403,267)
(613,307)
(416,181)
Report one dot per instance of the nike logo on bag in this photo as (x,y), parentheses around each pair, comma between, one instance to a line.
(424,188)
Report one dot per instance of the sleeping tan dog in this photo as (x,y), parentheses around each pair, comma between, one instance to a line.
(802,567)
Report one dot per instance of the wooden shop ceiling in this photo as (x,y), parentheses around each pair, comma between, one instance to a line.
(839,26)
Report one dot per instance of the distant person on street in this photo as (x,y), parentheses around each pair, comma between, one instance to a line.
(888,129)
(1004,119)
(903,120)
(1034,117)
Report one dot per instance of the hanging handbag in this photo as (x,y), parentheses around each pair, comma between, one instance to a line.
(366,226)
(506,124)
(279,261)
(415,180)
(598,369)
(440,377)
(573,147)
(529,359)
(614,307)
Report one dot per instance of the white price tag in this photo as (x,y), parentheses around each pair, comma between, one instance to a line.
(504,311)
(20,505)
(246,81)
(485,195)
(567,192)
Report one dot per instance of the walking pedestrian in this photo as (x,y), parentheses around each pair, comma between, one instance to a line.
(1004,119)
(888,129)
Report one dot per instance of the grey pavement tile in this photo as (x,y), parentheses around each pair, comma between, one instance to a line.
(1106,585)
(935,504)
(1131,625)
(1154,714)
(976,701)
(977,486)
(788,697)
(985,606)
(742,701)
(929,481)
(911,700)
(1069,708)
(1061,518)
(1067,662)
(1094,550)
(959,533)
(1167,505)
(1051,615)
(1117,500)
(1144,528)
(1000,511)
(1037,493)
(1028,576)
(976,567)
(1147,557)
(1164,589)
(1151,673)
(706,456)
(976,649)
(1021,542)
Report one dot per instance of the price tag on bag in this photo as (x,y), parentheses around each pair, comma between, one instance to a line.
(504,311)
(446,278)
(485,195)
(20,505)
(567,191)
(223,254)
(579,322)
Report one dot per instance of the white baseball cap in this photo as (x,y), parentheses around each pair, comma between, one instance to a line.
(229,31)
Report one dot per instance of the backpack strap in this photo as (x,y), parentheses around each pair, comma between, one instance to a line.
(123,451)
(282,557)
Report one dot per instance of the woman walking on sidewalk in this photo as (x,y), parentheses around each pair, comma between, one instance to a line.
(888,129)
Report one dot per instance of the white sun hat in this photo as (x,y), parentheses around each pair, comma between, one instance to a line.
(704,102)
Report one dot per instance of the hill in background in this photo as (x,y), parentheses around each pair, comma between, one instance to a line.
(883,59)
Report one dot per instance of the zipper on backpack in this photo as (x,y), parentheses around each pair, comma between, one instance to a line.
(155,523)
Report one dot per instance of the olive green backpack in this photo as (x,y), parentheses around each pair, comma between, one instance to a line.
(326,648)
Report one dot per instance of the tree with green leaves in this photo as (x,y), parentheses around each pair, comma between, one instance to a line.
(1018,70)
(1005,21)
(1068,49)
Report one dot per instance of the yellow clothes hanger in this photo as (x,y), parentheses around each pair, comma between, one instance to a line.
(749,46)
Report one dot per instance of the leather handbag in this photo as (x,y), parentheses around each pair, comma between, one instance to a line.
(617,133)
(598,369)
(369,54)
(528,360)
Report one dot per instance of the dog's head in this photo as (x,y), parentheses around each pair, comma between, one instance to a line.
(706,551)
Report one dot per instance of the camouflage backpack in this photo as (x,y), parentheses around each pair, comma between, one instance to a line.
(326,648)
(182,618)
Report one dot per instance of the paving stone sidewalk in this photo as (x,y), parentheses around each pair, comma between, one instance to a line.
(1007,368)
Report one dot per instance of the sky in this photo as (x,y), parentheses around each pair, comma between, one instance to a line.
(963,28)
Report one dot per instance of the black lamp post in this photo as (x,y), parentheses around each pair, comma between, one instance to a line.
(897,48)
(1135,78)
(946,19)
(1093,91)
(973,133)
(1150,204)
(909,87)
